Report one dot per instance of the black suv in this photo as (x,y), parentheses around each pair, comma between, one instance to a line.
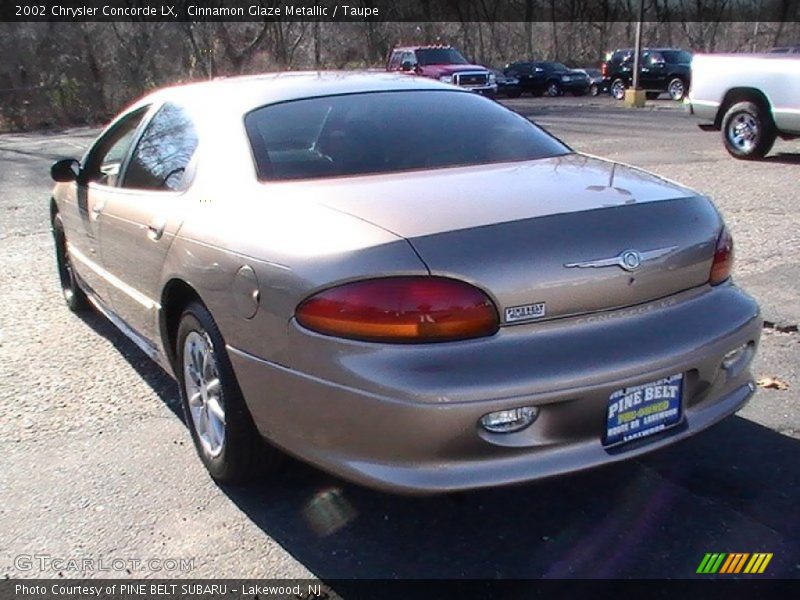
(660,70)
(548,77)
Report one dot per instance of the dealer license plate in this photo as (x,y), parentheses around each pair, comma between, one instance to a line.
(643,410)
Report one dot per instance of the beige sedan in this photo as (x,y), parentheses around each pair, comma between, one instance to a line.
(401,282)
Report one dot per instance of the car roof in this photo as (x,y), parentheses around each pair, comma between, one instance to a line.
(245,93)
(422,47)
(647,49)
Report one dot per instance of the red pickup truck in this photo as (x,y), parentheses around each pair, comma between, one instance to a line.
(444,63)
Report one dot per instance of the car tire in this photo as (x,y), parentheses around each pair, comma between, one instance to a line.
(617,89)
(70,288)
(652,95)
(222,429)
(676,88)
(748,132)
(553,89)
(594,90)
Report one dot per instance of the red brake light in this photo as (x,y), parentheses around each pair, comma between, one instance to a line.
(723,258)
(401,309)
(604,70)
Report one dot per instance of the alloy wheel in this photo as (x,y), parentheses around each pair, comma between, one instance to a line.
(676,89)
(743,132)
(618,89)
(204,392)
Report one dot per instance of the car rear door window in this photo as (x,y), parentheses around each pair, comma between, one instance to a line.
(163,152)
(103,163)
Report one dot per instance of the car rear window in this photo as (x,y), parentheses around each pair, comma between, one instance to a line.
(384,132)
(677,56)
(440,56)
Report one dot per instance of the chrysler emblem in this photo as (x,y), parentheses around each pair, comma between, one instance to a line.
(630,260)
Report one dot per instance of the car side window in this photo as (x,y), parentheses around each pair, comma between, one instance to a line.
(394,61)
(167,145)
(411,57)
(103,162)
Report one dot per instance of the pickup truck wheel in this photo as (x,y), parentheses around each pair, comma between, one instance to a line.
(618,89)
(224,435)
(73,295)
(676,88)
(748,131)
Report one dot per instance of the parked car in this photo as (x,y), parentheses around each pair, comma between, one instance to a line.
(548,77)
(752,99)
(661,70)
(325,261)
(445,64)
(507,85)
(786,49)
(596,84)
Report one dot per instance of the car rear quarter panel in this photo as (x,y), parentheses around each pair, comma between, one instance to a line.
(294,250)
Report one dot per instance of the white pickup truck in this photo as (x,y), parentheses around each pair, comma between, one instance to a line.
(751,98)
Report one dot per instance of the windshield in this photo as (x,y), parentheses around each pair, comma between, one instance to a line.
(384,132)
(440,56)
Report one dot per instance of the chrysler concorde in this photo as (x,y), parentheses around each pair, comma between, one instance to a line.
(401,282)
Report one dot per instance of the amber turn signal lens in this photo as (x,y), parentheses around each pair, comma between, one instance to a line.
(723,258)
(401,309)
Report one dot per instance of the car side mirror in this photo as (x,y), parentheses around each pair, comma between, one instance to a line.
(65,170)
(407,65)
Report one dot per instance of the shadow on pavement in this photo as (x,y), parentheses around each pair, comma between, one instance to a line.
(161,383)
(733,488)
(789,158)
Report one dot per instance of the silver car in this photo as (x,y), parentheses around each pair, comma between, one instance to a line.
(402,283)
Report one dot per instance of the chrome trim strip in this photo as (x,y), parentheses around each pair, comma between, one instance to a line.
(113,280)
(627,259)
(126,330)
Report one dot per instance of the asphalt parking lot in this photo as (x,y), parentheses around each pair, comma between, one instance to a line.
(97,462)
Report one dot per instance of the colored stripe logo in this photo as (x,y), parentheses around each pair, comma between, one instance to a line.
(735,562)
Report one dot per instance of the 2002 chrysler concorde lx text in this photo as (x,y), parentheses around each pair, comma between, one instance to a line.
(328,266)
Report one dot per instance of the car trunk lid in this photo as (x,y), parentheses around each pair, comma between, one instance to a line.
(547,238)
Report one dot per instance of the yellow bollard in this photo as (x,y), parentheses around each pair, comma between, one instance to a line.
(634,98)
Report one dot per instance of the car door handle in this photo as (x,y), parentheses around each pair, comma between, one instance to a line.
(155,229)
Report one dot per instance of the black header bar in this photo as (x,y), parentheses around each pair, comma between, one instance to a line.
(710,11)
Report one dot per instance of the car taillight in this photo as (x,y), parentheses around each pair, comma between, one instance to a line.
(723,258)
(401,309)
(604,70)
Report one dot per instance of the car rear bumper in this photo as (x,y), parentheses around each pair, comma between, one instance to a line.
(701,109)
(405,418)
